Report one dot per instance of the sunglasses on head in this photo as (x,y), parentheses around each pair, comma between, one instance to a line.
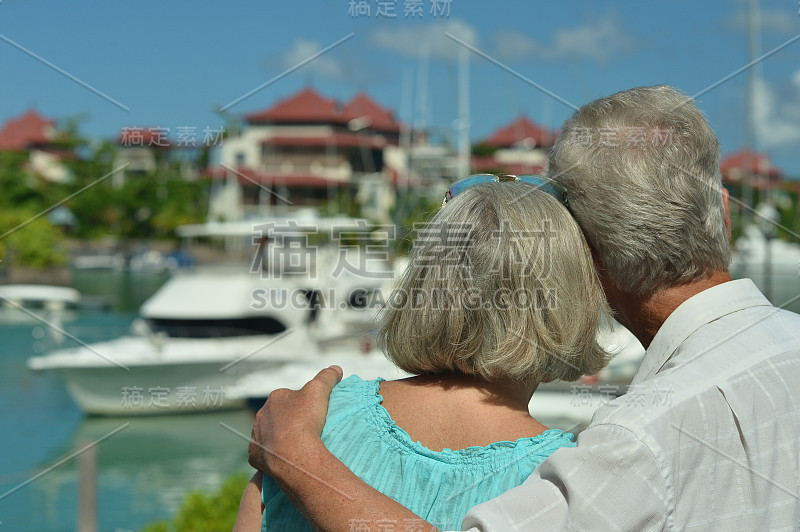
(542,183)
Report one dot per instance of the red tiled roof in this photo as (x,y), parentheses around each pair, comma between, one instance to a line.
(30,129)
(748,162)
(305,106)
(518,131)
(247,176)
(379,118)
(310,106)
(488,163)
(341,140)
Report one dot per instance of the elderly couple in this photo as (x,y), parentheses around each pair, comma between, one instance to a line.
(454,447)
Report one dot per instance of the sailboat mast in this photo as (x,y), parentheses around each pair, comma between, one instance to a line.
(751,160)
(463,113)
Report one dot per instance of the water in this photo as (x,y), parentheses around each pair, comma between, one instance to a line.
(144,470)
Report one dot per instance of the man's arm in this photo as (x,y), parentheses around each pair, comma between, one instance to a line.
(286,445)
(610,481)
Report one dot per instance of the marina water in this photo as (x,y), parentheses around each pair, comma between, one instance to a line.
(145,469)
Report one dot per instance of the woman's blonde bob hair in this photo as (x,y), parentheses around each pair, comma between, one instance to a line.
(500,285)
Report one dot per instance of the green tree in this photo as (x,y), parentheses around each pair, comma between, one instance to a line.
(88,162)
(29,241)
(20,189)
(202,512)
(411,209)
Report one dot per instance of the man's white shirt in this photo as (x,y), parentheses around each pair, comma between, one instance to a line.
(707,437)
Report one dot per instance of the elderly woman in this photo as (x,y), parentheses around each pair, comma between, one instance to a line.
(499,296)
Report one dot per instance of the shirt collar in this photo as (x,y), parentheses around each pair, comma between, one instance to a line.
(698,310)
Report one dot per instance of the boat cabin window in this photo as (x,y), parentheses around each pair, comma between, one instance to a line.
(41,304)
(220,328)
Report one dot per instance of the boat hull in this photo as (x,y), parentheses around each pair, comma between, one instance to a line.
(132,376)
(150,390)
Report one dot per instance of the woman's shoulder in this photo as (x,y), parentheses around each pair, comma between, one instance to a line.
(354,388)
(354,382)
(352,395)
(526,453)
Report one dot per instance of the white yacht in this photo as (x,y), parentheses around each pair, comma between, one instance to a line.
(19,303)
(772,263)
(39,297)
(204,330)
(565,405)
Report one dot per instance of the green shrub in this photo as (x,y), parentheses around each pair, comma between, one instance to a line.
(29,241)
(201,512)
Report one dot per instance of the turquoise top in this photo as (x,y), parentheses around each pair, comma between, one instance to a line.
(440,487)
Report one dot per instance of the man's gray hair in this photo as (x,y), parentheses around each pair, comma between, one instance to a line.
(500,285)
(641,168)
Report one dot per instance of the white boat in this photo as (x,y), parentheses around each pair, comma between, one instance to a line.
(32,304)
(39,297)
(142,261)
(367,364)
(773,264)
(564,405)
(99,261)
(204,330)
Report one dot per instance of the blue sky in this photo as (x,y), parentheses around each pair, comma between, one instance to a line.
(172,63)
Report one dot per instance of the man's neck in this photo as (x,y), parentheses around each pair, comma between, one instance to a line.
(644,316)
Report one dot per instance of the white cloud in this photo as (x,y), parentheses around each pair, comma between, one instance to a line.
(511,46)
(782,21)
(600,40)
(324,66)
(411,41)
(777,113)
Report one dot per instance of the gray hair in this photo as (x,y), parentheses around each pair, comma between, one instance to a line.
(641,168)
(500,285)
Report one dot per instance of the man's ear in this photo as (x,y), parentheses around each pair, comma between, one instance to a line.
(727,211)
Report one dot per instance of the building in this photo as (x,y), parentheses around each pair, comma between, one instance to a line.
(141,150)
(747,163)
(517,148)
(38,136)
(307,150)
(144,150)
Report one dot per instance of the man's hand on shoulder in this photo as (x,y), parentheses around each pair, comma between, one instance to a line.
(286,445)
(288,421)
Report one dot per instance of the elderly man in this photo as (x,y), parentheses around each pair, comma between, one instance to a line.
(707,437)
